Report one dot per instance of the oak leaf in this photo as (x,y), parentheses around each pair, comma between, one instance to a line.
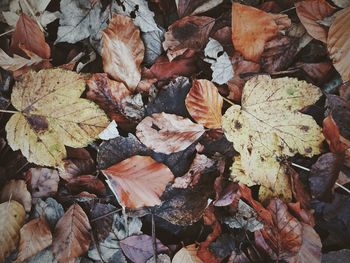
(204,103)
(252,28)
(269,125)
(12,216)
(123,51)
(51,115)
(168,133)
(17,190)
(138,181)
(338,43)
(71,237)
(35,236)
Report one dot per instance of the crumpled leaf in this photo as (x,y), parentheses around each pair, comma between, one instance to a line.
(12,216)
(138,181)
(52,115)
(310,13)
(49,209)
(204,103)
(220,62)
(123,51)
(71,238)
(252,28)
(187,254)
(193,7)
(269,125)
(245,218)
(80,19)
(168,133)
(43,181)
(17,190)
(17,62)
(338,43)
(35,236)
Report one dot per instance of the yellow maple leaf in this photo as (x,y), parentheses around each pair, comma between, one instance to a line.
(269,125)
(52,115)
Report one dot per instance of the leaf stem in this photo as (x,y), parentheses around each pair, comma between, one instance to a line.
(228,101)
(8,111)
(7,32)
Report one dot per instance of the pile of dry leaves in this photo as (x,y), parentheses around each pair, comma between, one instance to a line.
(174,131)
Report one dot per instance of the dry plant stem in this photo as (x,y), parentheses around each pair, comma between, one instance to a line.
(33,14)
(308,170)
(105,215)
(8,111)
(7,32)
(228,101)
(154,242)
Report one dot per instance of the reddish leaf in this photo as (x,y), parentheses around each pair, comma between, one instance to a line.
(310,13)
(43,181)
(17,190)
(204,103)
(138,181)
(28,35)
(301,214)
(34,237)
(337,143)
(139,248)
(71,238)
(300,193)
(252,28)
(87,183)
(168,133)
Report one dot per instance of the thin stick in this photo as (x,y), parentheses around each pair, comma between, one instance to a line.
(8,111)
(343,187)
(228,101)
(105,215)
(33,14)
(154,242)
(7,32)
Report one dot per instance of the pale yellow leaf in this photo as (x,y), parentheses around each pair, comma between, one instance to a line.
(17,190)
(187,255)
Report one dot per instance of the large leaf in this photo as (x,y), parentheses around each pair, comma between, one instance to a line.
(138,181)
(12,216)
(204,103)
(123,51)
(269,125)
(51,115)
(168,133)
(71,238)
(252,28)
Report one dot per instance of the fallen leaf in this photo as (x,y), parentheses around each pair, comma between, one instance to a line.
(71,237)
(162,258)
(168,133)
(34,237)
(153,45)
(252,28)
(80,20)
(17,62)
(303,215)
(187,254)
(300,192)
(310,13)
(133,108)
(224,245)
(318,72)
(189,32)
(17,190)
(12,217)
(45,255)
(49,209)
(204,103)
(110,132)
(336,142)
(220,62)
(269,125)
(139,248)
(336,256)
(138,181)
(101,219)
(123,51)
(341,3)
(193,7)
(43,181)
(87,183)
(338,42)
(29,35)
(52,117)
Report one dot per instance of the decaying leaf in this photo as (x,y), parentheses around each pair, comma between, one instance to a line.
(204,103)
(123,51)
(168,133)
(138,181)
(193,7)
(252,28)
(338,43)
(269,125)
(43,181)
(17,62)
(52,115)
(110,132)
(49,209)
(12,216)
(310,13)
(153,45)
(187,254)
(87,183)
(35,236)
(17,190)
(71,238)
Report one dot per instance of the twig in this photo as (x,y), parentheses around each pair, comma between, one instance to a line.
(33,14)
(154,242)
(105,215)
(289,9)
(342,187)
(7,32)
(8,111)
(228,101)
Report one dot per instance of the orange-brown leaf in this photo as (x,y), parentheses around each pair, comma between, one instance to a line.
(28,35)
(138,181)
(17,190)
(87,183)
(123,51)
(35,236)
(336,142)
(168,133)
(71,237)
(338,43)
(252,28)
(204,103)
(310,12)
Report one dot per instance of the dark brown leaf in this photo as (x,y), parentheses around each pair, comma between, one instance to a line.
(87,183)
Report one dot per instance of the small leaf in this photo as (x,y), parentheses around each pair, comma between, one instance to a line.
(17,62)
(17,190)
(168,133)
(87,183)
(71,238)
(138,181)
(204,103)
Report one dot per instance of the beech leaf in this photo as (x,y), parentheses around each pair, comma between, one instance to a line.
(204,103)
(51,115)
(17,62)
(138,181)
(168,133)
(17,190)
